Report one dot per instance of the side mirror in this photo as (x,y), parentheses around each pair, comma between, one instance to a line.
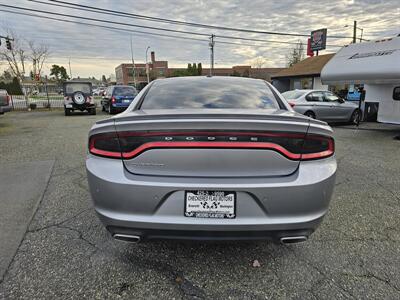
(309,98)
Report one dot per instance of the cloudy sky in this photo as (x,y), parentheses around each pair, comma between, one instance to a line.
(94,51)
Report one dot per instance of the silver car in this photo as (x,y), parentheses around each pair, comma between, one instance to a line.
(210,158)
(323,105)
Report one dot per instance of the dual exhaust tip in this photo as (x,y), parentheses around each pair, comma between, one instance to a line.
(136,238)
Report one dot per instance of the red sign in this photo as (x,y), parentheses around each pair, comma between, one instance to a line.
(309,50)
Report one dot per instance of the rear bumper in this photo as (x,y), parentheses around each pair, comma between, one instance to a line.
(4,109)
(152,207)
(82,107)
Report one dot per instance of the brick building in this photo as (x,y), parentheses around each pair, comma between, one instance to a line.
(159,69)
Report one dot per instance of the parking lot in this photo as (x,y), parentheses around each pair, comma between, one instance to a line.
(67,253)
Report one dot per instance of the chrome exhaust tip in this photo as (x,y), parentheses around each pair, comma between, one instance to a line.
(127,237)
(293,239)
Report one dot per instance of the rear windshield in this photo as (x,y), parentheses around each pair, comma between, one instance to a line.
(71,88)
(124,91)
(293,94)
(203,92)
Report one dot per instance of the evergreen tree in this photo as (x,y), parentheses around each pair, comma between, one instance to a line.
(199,69)
(194,70)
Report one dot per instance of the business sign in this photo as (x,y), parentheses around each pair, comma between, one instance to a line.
(318,39)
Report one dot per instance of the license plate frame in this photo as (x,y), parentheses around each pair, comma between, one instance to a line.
(213,210)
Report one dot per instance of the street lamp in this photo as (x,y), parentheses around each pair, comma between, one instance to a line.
(359,28)
(147,66)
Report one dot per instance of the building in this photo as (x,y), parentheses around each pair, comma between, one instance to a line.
(159,69)
(306,74)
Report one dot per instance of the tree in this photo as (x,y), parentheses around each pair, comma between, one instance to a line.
(295,55)
(7,76)
(16,57)
(194,70)
(38,54)
(199,69)
(13,87)
(21,51)
(259,62)
(59,73)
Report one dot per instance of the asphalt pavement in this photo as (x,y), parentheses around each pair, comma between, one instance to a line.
(66,253)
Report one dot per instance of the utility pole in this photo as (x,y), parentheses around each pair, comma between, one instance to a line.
(69,64)
(355,32)
(147,66)
(211,44)
(133,65)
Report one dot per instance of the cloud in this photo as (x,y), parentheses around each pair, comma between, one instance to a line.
(96,51)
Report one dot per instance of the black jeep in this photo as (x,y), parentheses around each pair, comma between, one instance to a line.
(78,95)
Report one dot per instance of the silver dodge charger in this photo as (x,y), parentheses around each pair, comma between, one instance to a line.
(211,158)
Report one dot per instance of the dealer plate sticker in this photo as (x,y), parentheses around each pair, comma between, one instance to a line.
(210,204)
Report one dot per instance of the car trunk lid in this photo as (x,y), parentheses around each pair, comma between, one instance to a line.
(211,143)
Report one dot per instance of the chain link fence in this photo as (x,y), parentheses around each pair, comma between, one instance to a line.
(18,102)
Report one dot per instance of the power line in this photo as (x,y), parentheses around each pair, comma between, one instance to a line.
(102,26)
(170,21)
(135,25)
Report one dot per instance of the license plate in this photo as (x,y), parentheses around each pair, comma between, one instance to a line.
(210,204)
(68,106)
(127,101)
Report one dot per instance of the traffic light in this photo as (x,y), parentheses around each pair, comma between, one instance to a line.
(8,44)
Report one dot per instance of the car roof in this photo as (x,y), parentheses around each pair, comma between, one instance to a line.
(77,81)
(206,78)
(120,85)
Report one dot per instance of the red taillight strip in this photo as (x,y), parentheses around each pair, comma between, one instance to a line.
(211,145)
(94,150)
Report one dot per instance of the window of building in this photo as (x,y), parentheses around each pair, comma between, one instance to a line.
(396,93)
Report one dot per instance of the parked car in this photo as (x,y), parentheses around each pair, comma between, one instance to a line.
(4,102)
(117,98)
(211,158)
(78,96)
(98,91)
(323,105)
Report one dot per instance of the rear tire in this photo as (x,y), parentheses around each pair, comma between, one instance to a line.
(103,108)
(355,116)
(67,111)
(310,114)
(111,110)
(92,111)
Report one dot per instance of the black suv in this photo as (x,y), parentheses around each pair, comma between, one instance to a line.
(78,95)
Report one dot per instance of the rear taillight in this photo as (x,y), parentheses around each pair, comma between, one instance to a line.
(105,144)
(317,147)
(291,103)
(294,146)
(113,100)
